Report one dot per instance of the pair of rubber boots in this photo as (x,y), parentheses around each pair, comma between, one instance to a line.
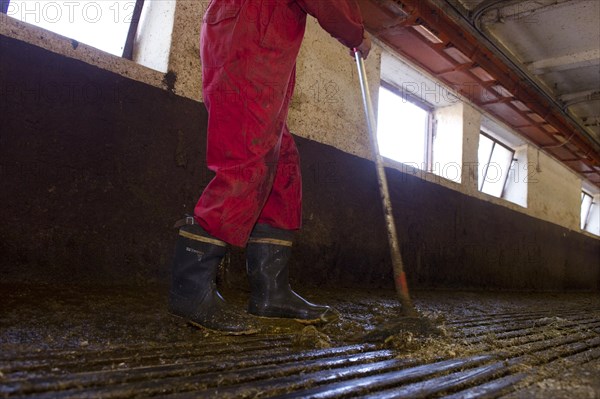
(194,295)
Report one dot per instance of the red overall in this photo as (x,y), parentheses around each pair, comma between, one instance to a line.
(249,50)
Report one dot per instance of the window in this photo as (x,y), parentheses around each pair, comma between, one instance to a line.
(107,25)
(587,203)
(496,160)
(403,128)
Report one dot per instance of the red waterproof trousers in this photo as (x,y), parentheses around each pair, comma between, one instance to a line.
(248,50)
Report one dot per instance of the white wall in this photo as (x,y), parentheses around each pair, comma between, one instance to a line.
(448,142)
(455,143)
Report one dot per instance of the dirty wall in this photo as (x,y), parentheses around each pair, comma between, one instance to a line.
(95,168)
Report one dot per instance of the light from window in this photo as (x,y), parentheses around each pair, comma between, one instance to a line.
(586,207)
(101,24)
(495,160)
(402,129)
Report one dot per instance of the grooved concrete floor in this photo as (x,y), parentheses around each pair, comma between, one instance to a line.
(74,342)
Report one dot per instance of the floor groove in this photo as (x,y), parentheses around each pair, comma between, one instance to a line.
(495,345)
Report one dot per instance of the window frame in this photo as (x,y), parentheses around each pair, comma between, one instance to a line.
(495,142)
(133,26)
(585,220)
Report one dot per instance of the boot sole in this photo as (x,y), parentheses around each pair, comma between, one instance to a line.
(223,332)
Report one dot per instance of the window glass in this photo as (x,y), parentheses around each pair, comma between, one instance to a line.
(497,171)
(101,24)
(586,205)
(495,160)
(402,129)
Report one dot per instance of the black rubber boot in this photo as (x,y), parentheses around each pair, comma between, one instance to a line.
(194,295)
(267,253)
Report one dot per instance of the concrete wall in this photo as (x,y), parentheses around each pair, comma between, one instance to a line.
(470,145)
(184,61)
(328,91)
(327,110)
(92,185)
(327,86)
(327,106)
(554,191)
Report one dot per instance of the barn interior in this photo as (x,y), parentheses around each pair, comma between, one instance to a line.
(100,154)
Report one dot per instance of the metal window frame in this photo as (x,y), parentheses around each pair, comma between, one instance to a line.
(425,106)
(133,28)
(589,211)
(495,142)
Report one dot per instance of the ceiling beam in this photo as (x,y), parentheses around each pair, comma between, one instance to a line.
(565,62)
(592,94)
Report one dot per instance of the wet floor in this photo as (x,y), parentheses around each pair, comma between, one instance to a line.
(120,342)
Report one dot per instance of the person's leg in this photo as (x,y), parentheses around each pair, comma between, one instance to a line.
(283,208)
(246,123)
(270,243)
(246,90)
(247,79)
(244,132)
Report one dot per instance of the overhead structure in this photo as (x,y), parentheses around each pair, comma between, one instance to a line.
(535,65)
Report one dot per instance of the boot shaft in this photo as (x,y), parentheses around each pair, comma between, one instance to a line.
(197,258)
(268,253)
(267,267)
(194,295)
